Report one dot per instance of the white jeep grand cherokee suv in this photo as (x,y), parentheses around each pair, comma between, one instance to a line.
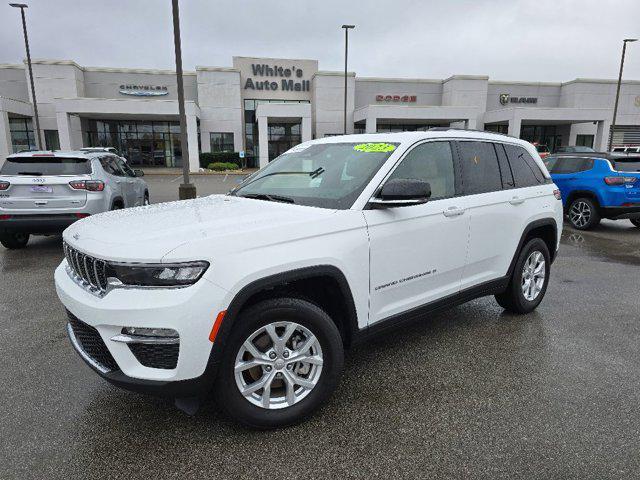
(255,294)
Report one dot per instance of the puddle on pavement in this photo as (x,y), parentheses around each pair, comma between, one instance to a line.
(605,249)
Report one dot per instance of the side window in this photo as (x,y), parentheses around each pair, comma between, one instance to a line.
(480,168)
(124,167)
(433,163)
(108,166)
(572,165)
(526,172)
(505,169)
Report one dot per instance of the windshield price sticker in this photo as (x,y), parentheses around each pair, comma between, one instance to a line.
(374,147)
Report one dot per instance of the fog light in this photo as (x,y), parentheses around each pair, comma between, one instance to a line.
(150,332)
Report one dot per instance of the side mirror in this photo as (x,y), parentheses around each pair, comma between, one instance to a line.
(402,192)
(139,173)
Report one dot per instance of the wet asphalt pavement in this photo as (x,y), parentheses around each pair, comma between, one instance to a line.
(470,393)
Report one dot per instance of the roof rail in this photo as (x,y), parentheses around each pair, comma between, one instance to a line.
(444,129)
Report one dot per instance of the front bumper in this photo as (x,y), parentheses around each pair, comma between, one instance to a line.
(37,223)
(190,311)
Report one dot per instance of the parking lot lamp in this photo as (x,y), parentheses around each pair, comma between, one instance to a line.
(187,189)
(615,107)
(22,6)
(346,52)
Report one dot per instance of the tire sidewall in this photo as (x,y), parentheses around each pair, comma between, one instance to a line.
(294,310)
(522,303)
(14,241)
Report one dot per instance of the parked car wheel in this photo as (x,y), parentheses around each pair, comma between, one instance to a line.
(636,222)
(529,279)
(583,214)
(14,241)
(146,199)
(282,361)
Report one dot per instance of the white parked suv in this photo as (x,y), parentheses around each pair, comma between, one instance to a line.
(254,295)
(45,192)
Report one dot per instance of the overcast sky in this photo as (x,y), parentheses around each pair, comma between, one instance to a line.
(544,40)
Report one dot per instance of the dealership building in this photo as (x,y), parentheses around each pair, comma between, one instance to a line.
(261,107)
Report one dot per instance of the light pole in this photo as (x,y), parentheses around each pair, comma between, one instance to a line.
(187,189)
(346,53)
(22,6)
(615,107)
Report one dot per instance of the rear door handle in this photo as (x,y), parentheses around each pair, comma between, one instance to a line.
(516,201)
(453,211)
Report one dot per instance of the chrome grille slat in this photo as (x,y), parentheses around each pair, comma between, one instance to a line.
(88,271)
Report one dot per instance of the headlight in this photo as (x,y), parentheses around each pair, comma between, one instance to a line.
(158,275)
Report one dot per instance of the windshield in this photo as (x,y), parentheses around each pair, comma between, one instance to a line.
(46,166)
(326,175)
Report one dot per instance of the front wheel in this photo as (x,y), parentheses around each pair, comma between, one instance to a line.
(583,214)
(14,241)
(283,359)
(636,222)
(529,279)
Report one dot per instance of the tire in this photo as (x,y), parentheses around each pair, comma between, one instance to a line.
(583,214)
(146,199)
(117,206)
(636,222)
(513,299)
(283,410)
(14,241)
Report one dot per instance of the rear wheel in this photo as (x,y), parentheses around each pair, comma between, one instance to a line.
(529,279)
(583,214)
(282,361)
(146,199)
(14,241)
(636,222)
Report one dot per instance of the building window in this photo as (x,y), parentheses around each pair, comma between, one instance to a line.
(584,141)
(51,140)
(497,128)
(22,136)
(221,142)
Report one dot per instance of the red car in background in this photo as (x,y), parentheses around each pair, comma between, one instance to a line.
(543,150)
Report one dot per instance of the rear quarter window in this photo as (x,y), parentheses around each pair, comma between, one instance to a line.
(526,171)
(36,166)
(572,165)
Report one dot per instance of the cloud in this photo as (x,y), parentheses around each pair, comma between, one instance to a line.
(543,40)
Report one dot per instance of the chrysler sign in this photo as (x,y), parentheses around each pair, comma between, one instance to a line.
(144,90)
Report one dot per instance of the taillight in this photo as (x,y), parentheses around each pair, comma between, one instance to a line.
(81,215)
(5,217)
(4,185)
(619,180)
(557,194)
(89,185)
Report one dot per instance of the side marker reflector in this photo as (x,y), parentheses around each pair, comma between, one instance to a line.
(216,326)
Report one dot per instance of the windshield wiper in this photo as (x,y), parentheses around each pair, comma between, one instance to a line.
(269,197)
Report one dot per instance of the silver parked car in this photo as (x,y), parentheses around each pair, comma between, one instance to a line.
(45,192)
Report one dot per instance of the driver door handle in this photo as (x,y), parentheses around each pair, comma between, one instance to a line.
(516,200)
(453,211)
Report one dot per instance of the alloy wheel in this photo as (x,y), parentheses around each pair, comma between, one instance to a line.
(533,275)
(580,214)
(278,365)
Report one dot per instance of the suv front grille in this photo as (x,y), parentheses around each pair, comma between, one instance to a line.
(89,342)
(90,271)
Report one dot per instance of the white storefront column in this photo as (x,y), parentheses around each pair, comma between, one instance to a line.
(263,136)
(69,131)
(192,141)
(601,142)
(515,124)
(371,125)
(5,137)
(306,129)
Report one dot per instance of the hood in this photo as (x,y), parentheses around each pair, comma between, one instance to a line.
(148,233)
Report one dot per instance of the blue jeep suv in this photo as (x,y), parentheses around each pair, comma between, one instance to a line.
(597,185)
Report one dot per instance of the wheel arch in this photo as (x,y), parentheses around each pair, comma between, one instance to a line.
(545,229)
(117,200)
(324,285)
(582,194)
